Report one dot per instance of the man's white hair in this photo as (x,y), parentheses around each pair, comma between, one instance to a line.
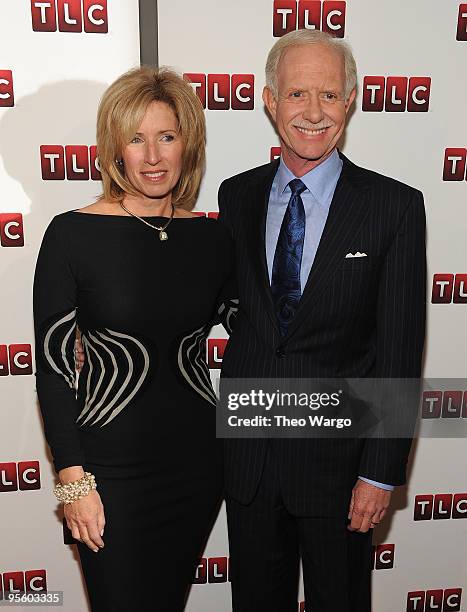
(310,37)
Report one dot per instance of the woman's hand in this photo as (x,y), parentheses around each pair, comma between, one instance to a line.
(86,521)
(84,517)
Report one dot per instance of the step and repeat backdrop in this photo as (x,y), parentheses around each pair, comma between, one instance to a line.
(57,57)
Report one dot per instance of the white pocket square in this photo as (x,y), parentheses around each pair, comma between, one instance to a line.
(357,254)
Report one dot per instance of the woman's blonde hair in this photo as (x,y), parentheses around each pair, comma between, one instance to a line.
(121,112)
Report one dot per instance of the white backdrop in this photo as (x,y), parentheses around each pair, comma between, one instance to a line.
(58,78)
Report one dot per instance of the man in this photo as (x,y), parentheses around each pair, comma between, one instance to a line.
(331,273)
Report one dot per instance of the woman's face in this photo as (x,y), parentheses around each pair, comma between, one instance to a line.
(153,159)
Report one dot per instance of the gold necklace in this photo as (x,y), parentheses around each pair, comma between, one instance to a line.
(162,233)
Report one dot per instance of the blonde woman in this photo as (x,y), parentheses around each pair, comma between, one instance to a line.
(143,279)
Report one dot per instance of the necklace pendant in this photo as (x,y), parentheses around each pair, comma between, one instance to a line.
(163,236)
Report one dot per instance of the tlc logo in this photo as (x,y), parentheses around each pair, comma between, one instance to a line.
(11,230)
(383,556)
(462,23)
(216,348)
(222,91)
(440,506)
(70,15)
(328,16)
(80,162)
(396,94)
(449,288)
(212,570)
(15,359)
(24,476)
(454,164)
(444,404)
(31,581)
(448,600)
(7,96)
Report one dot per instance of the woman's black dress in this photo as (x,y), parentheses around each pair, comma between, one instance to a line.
(142,415)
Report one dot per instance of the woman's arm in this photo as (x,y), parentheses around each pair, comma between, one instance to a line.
(55,300)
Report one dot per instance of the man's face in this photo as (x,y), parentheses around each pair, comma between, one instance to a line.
(310,109)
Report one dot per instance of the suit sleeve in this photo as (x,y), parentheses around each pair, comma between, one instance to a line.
(223,203)
(54,300)
(227,303)
(401,313)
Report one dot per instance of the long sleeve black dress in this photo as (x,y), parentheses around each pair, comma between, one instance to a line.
(141,417)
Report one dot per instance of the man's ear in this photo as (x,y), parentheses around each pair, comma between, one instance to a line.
(270,102)
(350,100)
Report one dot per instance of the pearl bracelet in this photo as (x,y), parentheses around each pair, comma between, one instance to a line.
(68,493)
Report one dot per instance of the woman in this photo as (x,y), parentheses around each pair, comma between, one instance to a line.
(143,280)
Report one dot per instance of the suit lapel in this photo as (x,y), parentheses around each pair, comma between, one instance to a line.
(348,209)
(257,206)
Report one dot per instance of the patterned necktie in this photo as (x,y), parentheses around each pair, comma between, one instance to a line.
(285,281)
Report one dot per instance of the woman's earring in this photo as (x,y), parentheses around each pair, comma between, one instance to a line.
(119,162)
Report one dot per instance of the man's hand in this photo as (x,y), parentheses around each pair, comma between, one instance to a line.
(367,506)
(79,351)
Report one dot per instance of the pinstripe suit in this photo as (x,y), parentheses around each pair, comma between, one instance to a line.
(358,317)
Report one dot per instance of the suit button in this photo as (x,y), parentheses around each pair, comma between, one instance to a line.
(280,352)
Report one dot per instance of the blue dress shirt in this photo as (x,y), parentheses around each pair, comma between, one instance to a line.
(321,183)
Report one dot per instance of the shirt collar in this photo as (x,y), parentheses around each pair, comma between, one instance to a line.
(320,181)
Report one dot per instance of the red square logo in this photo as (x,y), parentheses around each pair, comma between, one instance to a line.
(373,93)
(284,17)
(452,404)
(201,574)
(43,16)
(418,99)
(94,164)
(243,92)
(275,153)
(454,164)
(334,18)
(13,582)
(443,288)
(384,556)
(70,18)
(217,569)
(218,91)
(8,477)
(4,367)
(431,404)
(462,23)
(460,289)
(95,16)
(396,94)
(416,601)
(36,581)
(198,81)
(20,359)
(442,506)
(434,600)
(452,600)
(459,506)
(216,348)
(11,230)
(423,508)
(309,15)
(52,163)
(29,475)
(77,163)
(7,96)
